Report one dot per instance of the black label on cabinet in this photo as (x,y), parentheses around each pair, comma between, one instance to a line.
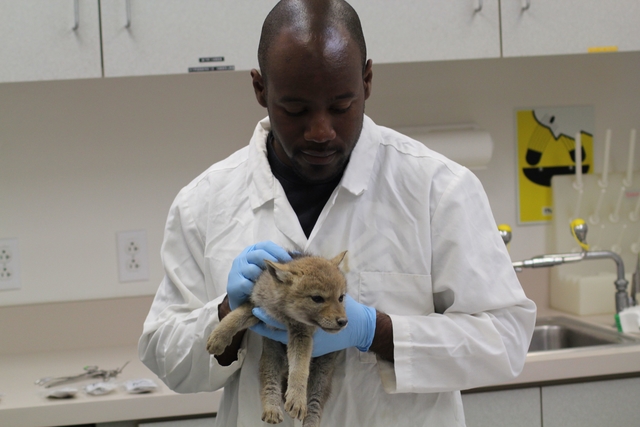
(212,59)
(216,68)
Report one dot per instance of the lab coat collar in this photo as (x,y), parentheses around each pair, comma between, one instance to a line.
(358,173)
(260,178)
(356,176)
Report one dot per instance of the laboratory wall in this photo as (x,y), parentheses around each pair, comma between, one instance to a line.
(82,160)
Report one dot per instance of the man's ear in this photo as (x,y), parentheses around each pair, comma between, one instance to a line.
(259,87)
(279,271)
(367,78)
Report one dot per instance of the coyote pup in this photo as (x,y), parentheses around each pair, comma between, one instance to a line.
(305,294)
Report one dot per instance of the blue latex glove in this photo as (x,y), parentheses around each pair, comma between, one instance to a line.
(246,268)
(358,332)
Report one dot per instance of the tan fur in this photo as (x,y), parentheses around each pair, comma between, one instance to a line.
(287,293)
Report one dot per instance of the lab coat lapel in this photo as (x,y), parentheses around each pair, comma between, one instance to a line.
(260,180)
(357,175)
(286,219)
(268,199)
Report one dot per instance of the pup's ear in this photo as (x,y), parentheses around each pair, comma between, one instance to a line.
(338,258)
(279,271)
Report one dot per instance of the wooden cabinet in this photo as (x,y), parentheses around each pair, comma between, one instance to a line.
(553,27)
(49,40)
(147,37)
(429,30)
(519,407)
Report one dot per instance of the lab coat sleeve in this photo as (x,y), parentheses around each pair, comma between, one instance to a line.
(173,342)
(483,322)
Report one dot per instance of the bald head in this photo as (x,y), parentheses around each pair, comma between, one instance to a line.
(310,21)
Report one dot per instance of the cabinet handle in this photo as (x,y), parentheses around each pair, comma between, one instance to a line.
(128,7)
(76,13)
(478,7)
(526,4)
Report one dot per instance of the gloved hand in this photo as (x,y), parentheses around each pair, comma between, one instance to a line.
(358,333)
(246,268)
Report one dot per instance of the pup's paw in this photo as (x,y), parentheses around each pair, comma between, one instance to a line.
(296,404)
(217,343)
(272,415)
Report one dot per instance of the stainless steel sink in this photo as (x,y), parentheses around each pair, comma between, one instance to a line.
(562,333)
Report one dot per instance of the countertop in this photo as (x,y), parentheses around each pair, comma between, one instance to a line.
(24,405)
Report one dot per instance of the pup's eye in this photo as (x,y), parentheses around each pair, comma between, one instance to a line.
(341,298)
(317,299)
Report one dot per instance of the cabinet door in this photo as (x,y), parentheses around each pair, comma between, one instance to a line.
(49,40)
(520,407)
(593,404)
(552,27)
(146,37)
(429,30)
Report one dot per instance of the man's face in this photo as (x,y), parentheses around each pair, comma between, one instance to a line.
(315,94)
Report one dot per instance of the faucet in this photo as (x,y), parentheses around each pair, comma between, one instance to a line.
(579,230)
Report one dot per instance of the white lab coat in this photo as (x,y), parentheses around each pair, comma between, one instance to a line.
(422,246)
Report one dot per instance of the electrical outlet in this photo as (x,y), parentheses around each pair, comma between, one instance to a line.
(9,264)
(133,256)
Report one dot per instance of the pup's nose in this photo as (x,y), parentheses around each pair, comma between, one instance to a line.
(342,322)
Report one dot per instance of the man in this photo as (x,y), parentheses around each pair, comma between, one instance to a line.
(434,305)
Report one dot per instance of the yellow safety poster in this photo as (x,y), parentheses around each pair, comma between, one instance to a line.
(547,147)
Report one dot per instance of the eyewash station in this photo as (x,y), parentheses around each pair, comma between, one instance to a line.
(604,209)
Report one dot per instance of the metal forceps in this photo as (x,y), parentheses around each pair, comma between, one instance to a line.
(91,371)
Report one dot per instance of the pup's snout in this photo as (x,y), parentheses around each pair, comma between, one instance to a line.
(342,321)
